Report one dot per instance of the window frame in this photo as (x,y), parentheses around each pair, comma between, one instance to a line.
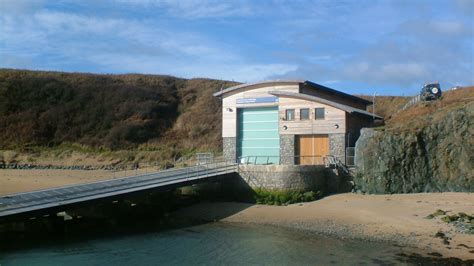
(301,117)
(316,117)
(286,114)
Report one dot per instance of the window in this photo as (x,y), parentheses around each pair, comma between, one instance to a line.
(319,114)
(304,114)
(290,114)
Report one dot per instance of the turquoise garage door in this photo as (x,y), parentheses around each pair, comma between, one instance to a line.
(258,140)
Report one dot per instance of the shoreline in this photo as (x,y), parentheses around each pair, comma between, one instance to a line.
(359,217)
(398,218)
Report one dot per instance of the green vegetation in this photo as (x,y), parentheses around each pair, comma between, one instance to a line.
(436,213)
(45,111)
(279,197)
(461,220)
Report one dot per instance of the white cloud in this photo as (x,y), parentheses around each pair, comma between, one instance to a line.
(20,6)
(377,44)
(402,73)
(193,9)
(120,45)
(433,29)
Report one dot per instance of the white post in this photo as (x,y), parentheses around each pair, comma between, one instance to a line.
(373,106)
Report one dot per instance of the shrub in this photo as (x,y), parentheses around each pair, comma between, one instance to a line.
(284,197)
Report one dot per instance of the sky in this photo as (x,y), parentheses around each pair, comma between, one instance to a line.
(357,46)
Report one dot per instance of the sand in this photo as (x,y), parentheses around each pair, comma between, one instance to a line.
(15,181)
(396,218)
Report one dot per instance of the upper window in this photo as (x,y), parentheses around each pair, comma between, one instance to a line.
(290,114)
(319,114)
(304,114)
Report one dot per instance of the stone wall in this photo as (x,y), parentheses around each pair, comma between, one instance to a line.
(287,149)
(337,146)
(229,147)
(294,177)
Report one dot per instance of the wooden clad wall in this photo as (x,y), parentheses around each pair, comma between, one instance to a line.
(354,123)
(229,104)
(333,116)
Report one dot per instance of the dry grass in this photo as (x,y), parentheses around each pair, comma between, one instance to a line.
(421,114)
(386,106)
(152,117)
(129,118)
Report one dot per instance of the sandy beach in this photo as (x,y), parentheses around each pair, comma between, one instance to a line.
(15,181)
(400,218)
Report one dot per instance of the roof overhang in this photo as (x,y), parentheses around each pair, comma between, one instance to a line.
(346,108)
(336,92)
(291,82)
(259,84)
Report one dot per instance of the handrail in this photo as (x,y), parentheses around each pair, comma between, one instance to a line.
(266,159)
(115,185)
(174,172)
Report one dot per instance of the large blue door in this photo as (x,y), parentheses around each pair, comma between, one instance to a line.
(258,139)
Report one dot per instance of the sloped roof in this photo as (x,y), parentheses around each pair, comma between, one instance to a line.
(260,83)
(292,82)
(346,108)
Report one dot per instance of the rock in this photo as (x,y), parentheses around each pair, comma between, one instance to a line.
(433,158)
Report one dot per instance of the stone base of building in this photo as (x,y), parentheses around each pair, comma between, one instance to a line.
(229,149)
(287,149)
(337,146)
(294,178)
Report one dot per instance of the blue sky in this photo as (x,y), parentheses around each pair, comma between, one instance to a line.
(357,46)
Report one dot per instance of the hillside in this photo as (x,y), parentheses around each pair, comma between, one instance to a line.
(425,148)
(45,110)
(386,106)
(77,118)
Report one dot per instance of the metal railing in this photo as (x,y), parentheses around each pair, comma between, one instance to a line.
(204,157)
(296,159)
(350,156)
(412,102)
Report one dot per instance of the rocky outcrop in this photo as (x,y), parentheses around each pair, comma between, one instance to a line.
(435,157)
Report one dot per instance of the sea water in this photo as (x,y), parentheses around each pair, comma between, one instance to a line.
(208,244)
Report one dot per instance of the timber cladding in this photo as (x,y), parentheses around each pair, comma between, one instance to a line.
(273,121)
(229,105)
(333,117)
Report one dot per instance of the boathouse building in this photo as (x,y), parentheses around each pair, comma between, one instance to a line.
(290,122)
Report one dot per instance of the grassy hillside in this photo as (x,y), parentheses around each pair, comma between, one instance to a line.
(389,106)
(425,148)
(50,117)
(386,106)
(108,112)
(424,114)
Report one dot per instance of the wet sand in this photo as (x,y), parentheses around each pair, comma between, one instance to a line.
(399,218)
